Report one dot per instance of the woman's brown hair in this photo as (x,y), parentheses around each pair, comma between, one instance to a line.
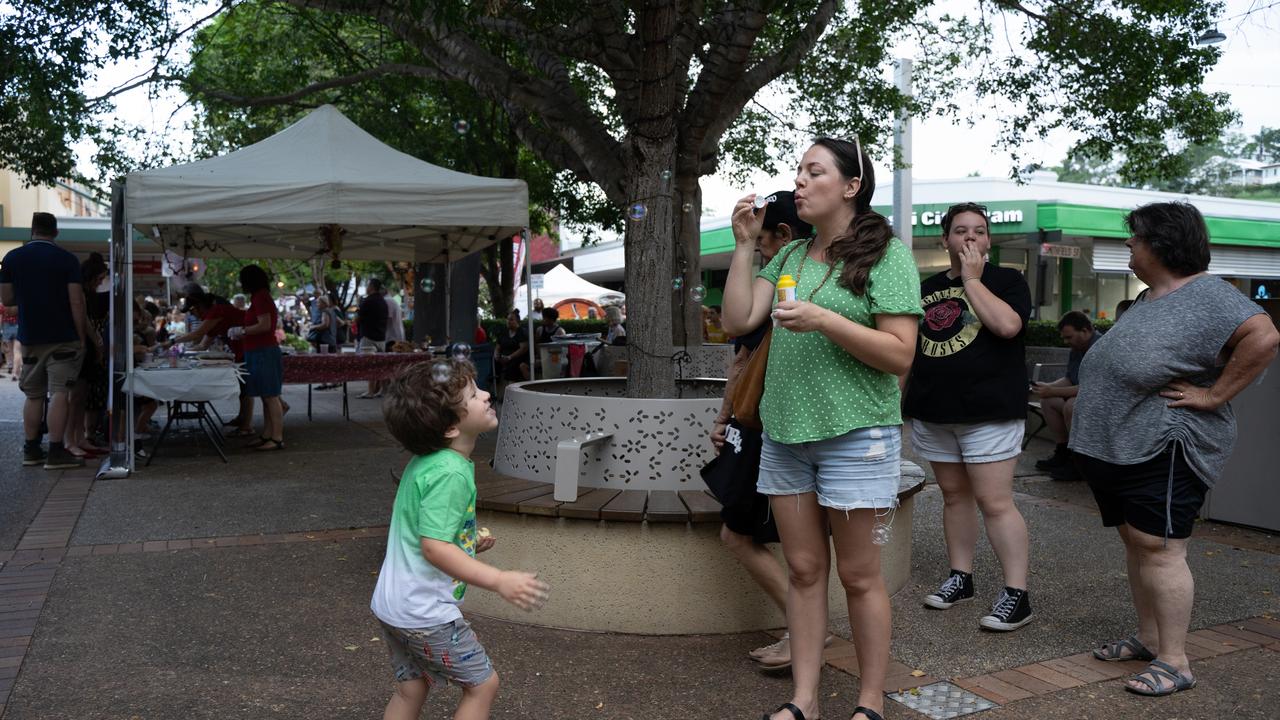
(864,242)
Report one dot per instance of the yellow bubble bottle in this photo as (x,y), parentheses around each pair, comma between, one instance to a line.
(786,288)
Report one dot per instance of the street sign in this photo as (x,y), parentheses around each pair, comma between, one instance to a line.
(535,281)
(1059,251)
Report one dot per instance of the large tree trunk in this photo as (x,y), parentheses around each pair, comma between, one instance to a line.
(649,272)
(649,162)
(686,310)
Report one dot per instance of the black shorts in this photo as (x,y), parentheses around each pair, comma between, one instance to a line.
(1135,495)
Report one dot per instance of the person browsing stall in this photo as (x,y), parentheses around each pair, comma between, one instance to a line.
(44,281)
(262,358)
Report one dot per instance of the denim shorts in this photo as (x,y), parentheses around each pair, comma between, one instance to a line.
(859,469)
(975,443)
(265,368)
(442,654)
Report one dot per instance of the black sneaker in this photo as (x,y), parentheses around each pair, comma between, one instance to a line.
(1061,457)
(60,459)
(1011,611)
(957,588)
(32,455)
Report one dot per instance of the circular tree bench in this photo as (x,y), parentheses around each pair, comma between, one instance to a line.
(640,561)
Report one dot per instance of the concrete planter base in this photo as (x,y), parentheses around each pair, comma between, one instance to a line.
(635,577)
(649,578)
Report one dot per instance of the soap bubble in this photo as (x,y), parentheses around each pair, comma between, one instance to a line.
(697,293)
(637,211)
(880,534)
(441,372)
(677,282)
(687,207)
(428,284)
(461,127)
(461,351)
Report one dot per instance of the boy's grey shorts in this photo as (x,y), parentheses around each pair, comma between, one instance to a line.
(441,654)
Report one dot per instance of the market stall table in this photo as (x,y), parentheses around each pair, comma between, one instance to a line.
(345,367)
(188,390)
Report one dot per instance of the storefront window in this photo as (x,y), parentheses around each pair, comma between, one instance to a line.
(1112,288)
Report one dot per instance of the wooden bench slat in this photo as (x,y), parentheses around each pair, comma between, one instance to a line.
(511,501)
(589,503)
(546,505)
(491,489)
(702,507)
(627,505)
(665,506)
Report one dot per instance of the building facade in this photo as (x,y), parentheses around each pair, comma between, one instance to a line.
(1067,238)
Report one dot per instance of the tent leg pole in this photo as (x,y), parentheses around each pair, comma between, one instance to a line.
(528,291)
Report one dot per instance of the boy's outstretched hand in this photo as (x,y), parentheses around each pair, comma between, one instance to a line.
(522,589)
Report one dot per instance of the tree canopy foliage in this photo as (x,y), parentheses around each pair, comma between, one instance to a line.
(641,98)
(1210,167)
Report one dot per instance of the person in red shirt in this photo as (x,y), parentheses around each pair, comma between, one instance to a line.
(217,317)
(262,358)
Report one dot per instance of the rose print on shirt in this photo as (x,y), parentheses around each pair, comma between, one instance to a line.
(942,315)
(948,326)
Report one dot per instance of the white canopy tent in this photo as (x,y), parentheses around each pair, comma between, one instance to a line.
(560,283)
(269,199)
(274,198)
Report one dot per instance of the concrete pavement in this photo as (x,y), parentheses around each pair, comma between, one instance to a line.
(208,590)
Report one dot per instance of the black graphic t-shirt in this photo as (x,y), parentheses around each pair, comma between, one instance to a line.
(963,372)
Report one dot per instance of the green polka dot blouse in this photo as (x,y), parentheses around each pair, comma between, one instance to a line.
(814,389)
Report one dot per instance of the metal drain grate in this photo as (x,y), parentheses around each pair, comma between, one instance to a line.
(942,700)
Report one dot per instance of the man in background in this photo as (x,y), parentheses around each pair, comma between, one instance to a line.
(1058,398)
(44,281)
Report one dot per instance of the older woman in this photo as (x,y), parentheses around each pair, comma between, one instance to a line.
(1153,426)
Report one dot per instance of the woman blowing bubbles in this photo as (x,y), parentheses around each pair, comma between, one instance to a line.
(830,409)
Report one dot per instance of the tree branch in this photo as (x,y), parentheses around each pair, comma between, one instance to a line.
(732,99)
(347,80)
(584,143)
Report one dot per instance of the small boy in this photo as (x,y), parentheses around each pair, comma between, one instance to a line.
(436,412)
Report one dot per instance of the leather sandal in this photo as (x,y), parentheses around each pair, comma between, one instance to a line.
(1114,652)
(789,707)
(1155,672)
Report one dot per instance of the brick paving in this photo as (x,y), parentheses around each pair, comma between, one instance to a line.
(26,573)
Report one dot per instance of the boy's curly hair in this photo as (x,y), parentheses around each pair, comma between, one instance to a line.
(424,401)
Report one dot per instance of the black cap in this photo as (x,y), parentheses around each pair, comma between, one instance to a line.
(44,224)
(783,210)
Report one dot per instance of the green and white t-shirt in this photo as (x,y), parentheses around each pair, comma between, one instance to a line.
(436,500)
(813,388)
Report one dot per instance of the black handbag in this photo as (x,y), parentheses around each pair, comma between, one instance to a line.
(731,475)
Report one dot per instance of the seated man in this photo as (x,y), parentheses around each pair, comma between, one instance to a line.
(1058,398)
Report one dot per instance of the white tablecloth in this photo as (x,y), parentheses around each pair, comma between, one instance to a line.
(185,383)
